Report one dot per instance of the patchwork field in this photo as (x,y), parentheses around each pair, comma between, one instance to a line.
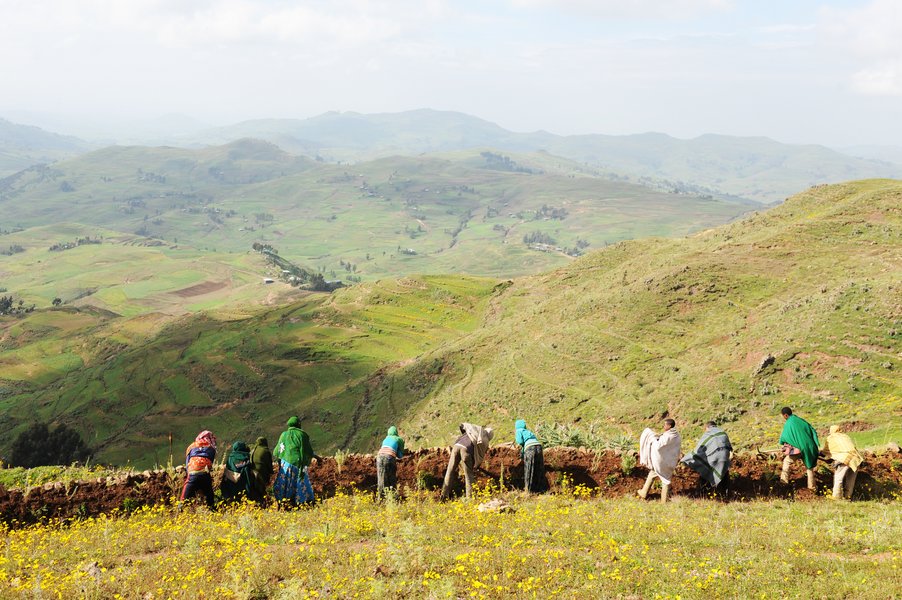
(464,212)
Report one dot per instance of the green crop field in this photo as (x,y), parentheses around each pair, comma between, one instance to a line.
(464,212)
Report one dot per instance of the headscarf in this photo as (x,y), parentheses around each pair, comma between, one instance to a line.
(205,438)
(239,457)
(294,422)
(392,430)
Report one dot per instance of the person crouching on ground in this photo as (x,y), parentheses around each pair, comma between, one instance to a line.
(533,461)
(295,454)
(199,458)
(660,454)
(800,442)
(470,448)
(711,458)
(845,455)
(390,453)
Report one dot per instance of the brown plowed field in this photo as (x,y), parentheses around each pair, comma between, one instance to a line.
(753,477)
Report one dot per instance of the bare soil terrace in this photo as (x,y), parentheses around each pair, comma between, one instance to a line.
(753,477)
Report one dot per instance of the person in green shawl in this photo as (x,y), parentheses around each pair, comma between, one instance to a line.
(800,442)
(261,470)
(236,477)
(295,454)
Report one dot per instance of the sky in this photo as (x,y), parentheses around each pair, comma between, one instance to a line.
(798,71)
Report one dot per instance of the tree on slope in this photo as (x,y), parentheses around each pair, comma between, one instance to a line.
(38,446)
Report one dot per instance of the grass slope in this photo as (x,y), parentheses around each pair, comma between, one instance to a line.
(799,305)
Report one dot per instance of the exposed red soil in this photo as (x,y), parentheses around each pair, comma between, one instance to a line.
(753,477)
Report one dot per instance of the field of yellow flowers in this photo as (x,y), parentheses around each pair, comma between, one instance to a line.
(568,545)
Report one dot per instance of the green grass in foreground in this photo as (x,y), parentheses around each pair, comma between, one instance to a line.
(553,545)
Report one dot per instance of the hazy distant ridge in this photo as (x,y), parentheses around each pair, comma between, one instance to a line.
(753,167)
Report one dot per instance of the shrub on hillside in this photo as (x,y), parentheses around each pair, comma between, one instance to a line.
(38,446)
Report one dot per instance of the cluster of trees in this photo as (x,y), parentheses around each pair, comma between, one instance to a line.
(296,275)
(151,177)
(539,237)
(499,162)
(578,249)
(550,212)
(38,446)
(59,246)
(258,247)
(13,249)
(9,306)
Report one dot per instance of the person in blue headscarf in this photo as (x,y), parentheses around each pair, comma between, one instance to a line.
(533,461)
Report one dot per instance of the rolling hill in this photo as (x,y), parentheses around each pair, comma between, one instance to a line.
(750,167)
(797,305)
(22,146)
(475,212)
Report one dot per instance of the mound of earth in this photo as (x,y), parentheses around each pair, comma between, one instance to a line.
(753,477)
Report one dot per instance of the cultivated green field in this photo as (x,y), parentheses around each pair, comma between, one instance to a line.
(128,383)
(461,212)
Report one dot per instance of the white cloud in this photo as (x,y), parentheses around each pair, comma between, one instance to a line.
(661,9)
(880,80)
(871,36)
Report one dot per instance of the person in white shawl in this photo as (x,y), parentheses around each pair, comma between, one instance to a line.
(660,453)
(469,449)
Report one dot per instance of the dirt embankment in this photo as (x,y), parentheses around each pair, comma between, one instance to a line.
(753,477)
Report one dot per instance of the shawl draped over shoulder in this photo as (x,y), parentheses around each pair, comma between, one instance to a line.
(711,457)
(660,453)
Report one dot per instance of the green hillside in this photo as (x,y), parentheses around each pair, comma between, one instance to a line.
(128,383)
(468,212)
(798,305)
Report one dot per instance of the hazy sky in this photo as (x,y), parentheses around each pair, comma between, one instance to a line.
(825,71)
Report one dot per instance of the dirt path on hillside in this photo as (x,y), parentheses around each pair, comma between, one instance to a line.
(753,478)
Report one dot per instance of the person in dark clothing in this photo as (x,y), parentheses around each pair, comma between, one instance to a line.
(236,478)
(261,470)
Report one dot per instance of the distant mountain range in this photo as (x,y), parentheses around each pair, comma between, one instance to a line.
(755,168)
(22,146)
